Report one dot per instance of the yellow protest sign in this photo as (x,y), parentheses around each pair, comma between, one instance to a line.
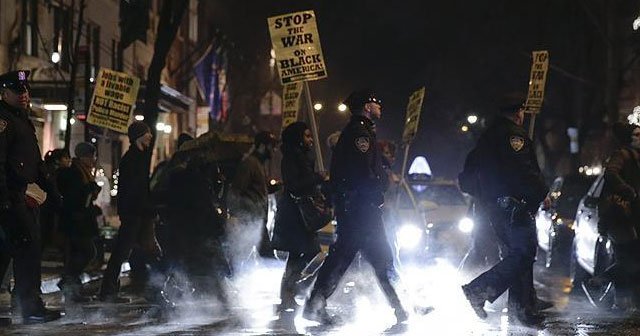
(537,81)
(296,43)
(290,103)
(113,99)
(414,108)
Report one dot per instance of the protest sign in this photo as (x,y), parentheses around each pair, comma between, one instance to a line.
(113,100)
(296,43)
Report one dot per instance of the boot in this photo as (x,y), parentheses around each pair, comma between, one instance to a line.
(315,310)
(71,290)
(477,303)
(401,315)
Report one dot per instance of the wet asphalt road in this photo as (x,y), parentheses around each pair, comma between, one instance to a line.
(359,304)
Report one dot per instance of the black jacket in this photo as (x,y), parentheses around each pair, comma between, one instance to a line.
(509,167)
(299,179)
(356,164)
(20,158)
(133,184)
(78,213)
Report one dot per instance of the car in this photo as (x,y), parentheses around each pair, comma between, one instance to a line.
(555,225)
(431,220)
(592,253)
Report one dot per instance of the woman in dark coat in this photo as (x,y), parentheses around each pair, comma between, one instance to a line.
(290,233)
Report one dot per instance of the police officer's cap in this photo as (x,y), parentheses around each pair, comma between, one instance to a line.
(359,98)
(15,80)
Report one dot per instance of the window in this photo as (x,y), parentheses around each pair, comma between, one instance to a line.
(29,29)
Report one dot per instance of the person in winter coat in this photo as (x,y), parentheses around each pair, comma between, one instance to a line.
(54,161)
(619,211)
(290,232)
(78,218)
(134,208)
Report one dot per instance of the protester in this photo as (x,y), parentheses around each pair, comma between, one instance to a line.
(291,233)
(78,219)
(54,160)
(134,208)
(619,212)
(248,202)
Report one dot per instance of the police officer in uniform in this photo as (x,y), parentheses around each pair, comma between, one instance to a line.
(511,189)
(21,167)
(358,183)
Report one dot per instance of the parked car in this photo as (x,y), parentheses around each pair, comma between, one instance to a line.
(592,254)
(555,226)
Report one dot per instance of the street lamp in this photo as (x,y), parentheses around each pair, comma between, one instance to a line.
(464,128)
(55,57)
(636,23)
(342,107)
(317,106)
(472,119)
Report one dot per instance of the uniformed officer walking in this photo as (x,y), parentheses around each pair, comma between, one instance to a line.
(511,189)
(358,183)
(21,173)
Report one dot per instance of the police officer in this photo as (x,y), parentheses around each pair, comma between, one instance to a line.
(358,183)
(511,189)
(21,169)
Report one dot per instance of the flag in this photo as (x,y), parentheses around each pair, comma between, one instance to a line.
(211,76)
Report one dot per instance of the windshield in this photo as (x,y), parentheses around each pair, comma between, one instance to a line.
(444,195)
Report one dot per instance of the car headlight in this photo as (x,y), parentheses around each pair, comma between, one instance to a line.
(465,225)
(408,236)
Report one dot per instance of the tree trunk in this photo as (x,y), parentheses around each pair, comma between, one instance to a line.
(170,18)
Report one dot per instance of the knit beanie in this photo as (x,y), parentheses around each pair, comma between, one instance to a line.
(136,130)
(85,149)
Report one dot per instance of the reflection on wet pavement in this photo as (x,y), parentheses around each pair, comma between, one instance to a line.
(361,306)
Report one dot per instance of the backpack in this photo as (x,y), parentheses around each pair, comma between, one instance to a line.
(468,178)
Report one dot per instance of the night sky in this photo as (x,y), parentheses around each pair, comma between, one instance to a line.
(469,55)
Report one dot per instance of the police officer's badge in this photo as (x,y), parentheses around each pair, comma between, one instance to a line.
(362,143)
(517,143)
(3,125)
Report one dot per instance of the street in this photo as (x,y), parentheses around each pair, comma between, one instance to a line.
(359,304)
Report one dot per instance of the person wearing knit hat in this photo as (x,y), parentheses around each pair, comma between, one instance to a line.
(135,210)
(137,129)
(78,219)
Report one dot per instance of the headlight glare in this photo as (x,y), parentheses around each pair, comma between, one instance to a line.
(465,225)
(408,236)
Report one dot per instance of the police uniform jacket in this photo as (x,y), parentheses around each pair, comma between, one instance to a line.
(510,166)
(20,159)
(356,166)
(134,197)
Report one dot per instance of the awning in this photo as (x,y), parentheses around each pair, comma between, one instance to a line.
(171,100)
